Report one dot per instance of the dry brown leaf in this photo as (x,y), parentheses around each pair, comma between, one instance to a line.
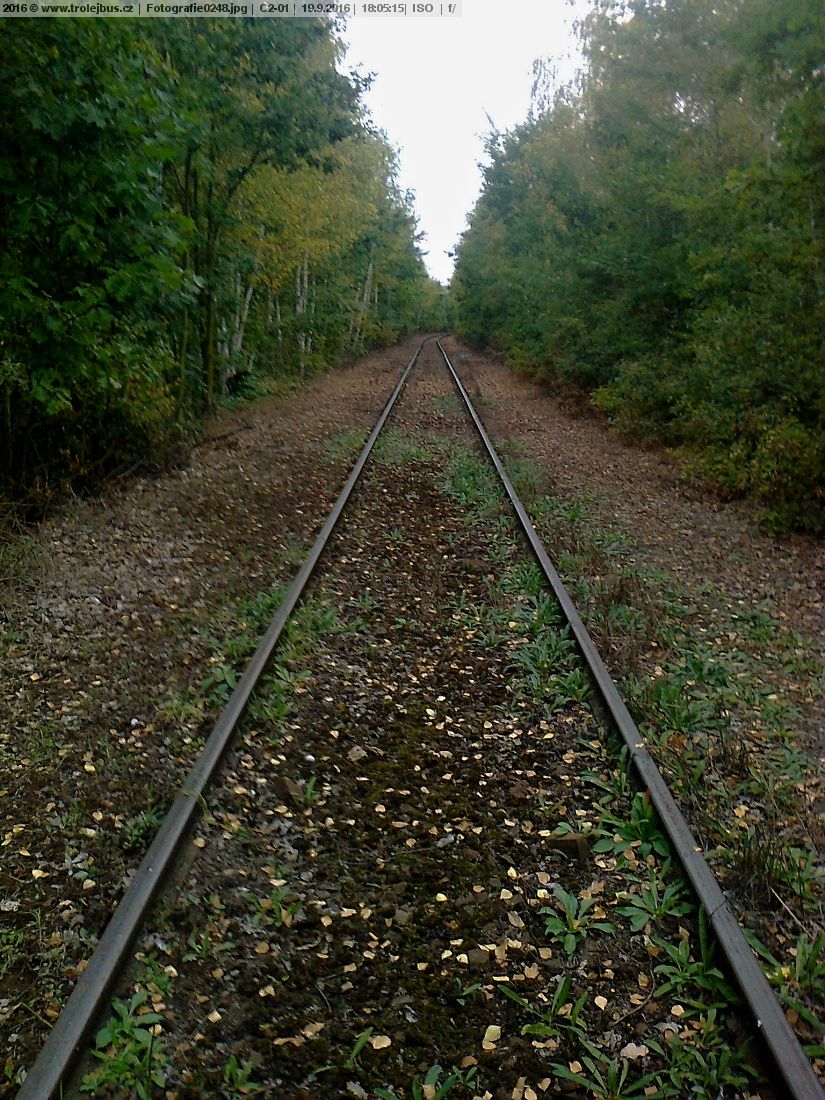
(633,1051)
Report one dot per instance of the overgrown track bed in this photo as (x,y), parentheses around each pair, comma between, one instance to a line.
(424,851)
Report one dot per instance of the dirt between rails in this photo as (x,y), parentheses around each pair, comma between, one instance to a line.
(104,653)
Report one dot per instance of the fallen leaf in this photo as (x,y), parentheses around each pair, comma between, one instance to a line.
(380,1042)
(491,1037)
(632,1051)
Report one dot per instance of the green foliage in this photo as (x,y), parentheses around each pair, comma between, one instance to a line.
(187,210)
(604,1078)
(571,921)
(653,234)
(641,835)
(696,982)
(130,1055)
(554,1020)
(653,903)
(237,1079)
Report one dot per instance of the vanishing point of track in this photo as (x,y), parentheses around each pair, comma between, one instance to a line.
(89,995)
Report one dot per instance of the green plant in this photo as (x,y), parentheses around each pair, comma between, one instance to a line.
(203,945)
(361,1040)
(397,449)
(803,976)
(274,910)
(702,1064)
(653,903)
(640,833)
(136,831)
(155,975)
(431,1086)
(219,683)
(537,659)
(523,578)
(308,796)
(11,940)
(574,686)
(345,446)
(558,1018)
(606,1079)
(237,1078)
(131,1056)
(466,991)
(571,920)
(615,784)
(693,980)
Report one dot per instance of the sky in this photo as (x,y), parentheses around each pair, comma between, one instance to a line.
(436,82)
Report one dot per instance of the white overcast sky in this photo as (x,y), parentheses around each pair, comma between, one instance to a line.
(437,80)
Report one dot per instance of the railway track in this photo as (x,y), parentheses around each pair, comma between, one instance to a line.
(173,843)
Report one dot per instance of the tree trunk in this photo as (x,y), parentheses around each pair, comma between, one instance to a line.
(362,305)
(301,294)
(241,318)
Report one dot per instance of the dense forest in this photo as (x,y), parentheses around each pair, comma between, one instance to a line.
(653,234)
(187,207)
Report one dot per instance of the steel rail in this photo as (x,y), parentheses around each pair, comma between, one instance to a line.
(63,1043)
(791,1061)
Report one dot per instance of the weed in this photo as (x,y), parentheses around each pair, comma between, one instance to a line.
(757,862)
(804,975)
(345,446)
(606,1079)
(273,910)
(156,977)
(615,784)
(11,941)
(396,449)
(180,707)
(131,1057)
(219,684)
(203,945)
(523,578)
(136,832)
(431,1086)
(308,796)
(571,920)
(471,482)
(540,658)
(702,1064)
(361,1040)
(640,834)
(653,903)
(467,991)
(573,687)
(558,1018)
(683,974)
(237,1079)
